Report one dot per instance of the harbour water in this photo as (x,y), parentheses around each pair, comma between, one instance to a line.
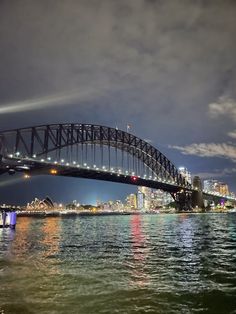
(183,263)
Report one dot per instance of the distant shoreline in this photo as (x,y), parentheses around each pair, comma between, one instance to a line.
(69,214)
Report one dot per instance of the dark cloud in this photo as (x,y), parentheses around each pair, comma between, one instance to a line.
(157,64)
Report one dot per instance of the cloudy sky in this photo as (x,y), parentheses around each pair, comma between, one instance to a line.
(166,67)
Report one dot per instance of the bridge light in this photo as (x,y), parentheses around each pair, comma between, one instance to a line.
(62,160)
(34,156)
(17,153)
(67,164)
(94,166)
(26,176)
(55,162)
(85,164)
(74,162)
(11,156)
(42,160)
(78,166)
(134,178)
(53,171)
(49,158)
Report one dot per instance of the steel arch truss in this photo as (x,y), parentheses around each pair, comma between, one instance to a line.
(41,140)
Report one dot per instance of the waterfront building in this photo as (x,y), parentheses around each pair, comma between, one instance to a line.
(213,186)
(232,194)
(147,196)
(156,198)
(118,205)
(37,204)
(210,186)
(167,199)
(150,198)
(222,188)
(140,200)
(131,201)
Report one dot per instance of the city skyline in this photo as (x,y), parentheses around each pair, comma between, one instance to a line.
(143,197)
(122,65)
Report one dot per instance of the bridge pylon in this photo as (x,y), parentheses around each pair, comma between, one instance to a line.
(197,199)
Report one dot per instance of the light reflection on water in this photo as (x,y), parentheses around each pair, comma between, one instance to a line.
(120,264)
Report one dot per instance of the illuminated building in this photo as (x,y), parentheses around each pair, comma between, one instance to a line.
(186,174)
(222,188)
(213,186)
(210,185)
(118,205)
(140,200)
(151,198)
(147,195)
(232,194)
(37,204)
(131,201)
(167,199)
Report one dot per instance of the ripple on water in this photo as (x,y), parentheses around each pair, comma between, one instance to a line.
(120,264)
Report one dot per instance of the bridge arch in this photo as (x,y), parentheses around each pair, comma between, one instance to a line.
(38,141)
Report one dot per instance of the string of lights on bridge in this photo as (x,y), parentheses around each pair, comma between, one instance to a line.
(118,172)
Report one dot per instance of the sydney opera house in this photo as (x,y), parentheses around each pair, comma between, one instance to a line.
(37,204)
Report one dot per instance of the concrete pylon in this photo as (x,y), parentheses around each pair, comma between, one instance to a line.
(197,199)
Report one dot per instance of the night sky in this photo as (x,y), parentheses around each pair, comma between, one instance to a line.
(168,68)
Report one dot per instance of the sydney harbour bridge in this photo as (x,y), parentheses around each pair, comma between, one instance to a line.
(97,152)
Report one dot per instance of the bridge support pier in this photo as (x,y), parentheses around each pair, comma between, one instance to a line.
(197,199)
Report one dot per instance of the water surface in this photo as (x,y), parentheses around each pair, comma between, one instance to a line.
(120,264)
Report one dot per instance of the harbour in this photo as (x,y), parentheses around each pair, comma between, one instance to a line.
(150,263)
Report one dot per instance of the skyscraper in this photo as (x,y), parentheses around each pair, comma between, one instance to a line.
(213,186)
(140,200)
(186,174)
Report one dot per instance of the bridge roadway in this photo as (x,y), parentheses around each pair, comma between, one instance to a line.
(32,167)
